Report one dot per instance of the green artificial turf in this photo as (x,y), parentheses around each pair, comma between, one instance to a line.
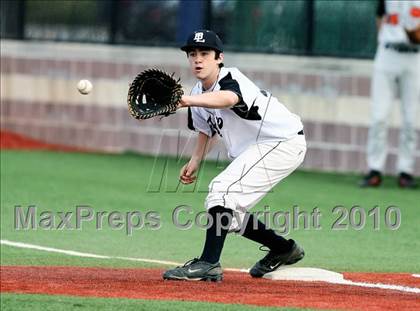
(52,302)
(54,181)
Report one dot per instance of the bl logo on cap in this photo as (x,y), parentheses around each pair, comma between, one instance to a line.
(203,39)
(199,37)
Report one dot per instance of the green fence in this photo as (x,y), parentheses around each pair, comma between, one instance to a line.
(339,28)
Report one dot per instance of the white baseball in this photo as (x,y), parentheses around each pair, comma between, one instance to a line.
(84,87)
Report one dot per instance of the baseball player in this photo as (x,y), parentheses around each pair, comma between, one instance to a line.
(396,65)
(265,142)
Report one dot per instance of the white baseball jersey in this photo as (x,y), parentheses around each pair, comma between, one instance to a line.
(257,117)
(398,15)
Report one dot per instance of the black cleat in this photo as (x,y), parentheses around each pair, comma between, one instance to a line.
(272,261)
(196,270)
(372,179)
(407,181)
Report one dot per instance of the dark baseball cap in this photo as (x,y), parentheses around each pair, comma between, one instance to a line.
(203,39)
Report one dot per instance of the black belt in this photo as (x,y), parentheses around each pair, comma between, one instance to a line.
(402,47)
(301,132)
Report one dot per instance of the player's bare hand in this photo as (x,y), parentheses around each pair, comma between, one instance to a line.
(183,102)
(187,173)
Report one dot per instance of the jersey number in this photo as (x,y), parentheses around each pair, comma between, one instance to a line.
(216,124)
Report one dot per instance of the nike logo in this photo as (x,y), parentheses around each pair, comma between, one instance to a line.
(193,270)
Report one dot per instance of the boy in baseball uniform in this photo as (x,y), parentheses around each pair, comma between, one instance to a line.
(396,66)
(265,142)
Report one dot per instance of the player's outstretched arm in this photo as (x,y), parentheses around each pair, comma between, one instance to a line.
(202,147)
(215,100)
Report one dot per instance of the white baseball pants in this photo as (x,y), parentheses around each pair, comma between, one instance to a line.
(253,174)
(394,69)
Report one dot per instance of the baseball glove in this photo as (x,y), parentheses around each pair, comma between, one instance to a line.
(153,93)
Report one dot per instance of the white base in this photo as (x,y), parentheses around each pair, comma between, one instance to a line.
(305,274)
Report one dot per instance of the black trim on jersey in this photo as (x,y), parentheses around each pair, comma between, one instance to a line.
(380,10)
(190,120)
(227,83)
(240,108)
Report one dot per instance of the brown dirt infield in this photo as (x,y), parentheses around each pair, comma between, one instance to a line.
(10,140)
(237,288)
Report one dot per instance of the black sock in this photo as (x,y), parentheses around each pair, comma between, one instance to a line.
(215,235)
(265,236)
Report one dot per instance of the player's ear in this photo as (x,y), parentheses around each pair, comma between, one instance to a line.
(220,58)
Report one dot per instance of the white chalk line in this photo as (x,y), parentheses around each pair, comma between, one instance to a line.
(381,286)
(79,254)
(164,262)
